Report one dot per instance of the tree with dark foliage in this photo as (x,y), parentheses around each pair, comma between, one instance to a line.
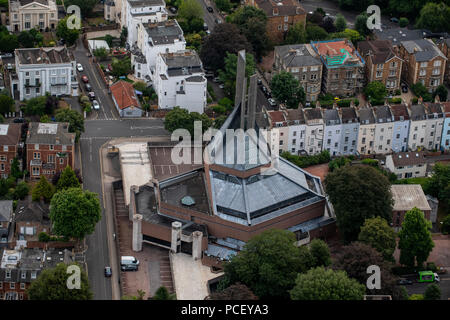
(237,291)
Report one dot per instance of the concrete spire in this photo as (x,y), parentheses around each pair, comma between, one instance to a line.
(252,94)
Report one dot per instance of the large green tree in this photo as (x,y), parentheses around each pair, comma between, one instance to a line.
(296,34)
(43,190)
(421,91)
(190,9)
(51,284)
(63,31)
(6,104)
(121,67)
(74,212)
(180,118)
(356,258)
(8,42)
(320,253)
(315,33)
(163,294)
(35,106)
(224,38)
(377,233)
(268,264)
(433,292)
(375,91)
(286,89)
(357,193)
(252,22)
(361,24)
(86,6)
(340,23)
(68,179)
(442,92)
(228,75)
(434,17)
(326,284)
(415,238)
(74,118)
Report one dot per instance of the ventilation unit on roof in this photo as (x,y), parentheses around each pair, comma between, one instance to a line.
(417,155)
(407,155)
(399,156)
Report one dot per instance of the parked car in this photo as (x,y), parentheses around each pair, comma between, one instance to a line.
(208,32)
(205,26)
(9,66)
(403,282)
(95,105)
(272,102)
(108,272)
(88,87)
(91,95)
(395,20)
(259,82)
(88,54)
(85,79)
(216,79)
(79,67)
(221,86)
(210,9)
(264,89)
(218,21)
(19,120)
(173,10)
(404,88)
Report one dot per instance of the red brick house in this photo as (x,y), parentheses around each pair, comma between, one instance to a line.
(9,146)
(50,148)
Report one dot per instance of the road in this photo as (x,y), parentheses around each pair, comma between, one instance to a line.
(444,284)
(210,18)
(105,126)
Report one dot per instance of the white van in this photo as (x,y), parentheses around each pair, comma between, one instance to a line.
(126,260)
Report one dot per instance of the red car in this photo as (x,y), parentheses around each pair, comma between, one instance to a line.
(85,79)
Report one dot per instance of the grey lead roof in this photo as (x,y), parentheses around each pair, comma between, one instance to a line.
(397,35)
(6,208)
(417,112)
(164,32)
(366,114)
(297,55)
(383,113)
(145,3)
(61,137)
(423,50)
(331,116)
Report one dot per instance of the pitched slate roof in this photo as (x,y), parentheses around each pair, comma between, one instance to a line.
(408,158)
(297,55)
(383,113)
(422,49)
(10,134)
(366,114)
(397,35)
(348,114)
(408,196)
(287,7)
(6,207)
(381,50)
(399,110)
(51,55)
(417,112)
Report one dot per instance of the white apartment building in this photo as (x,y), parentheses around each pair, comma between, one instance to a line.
(314,130)
(366,135)
(332,131)
(278,121)
(435,123)
(142,12)
(297,131)
(29,14)
(401,127)
(153,39)
(41,70)
(384,129)
(180,81)
(350,130)
(417,126)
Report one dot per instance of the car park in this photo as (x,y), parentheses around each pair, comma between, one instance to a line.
(210,9)
(79,67)
(95,105)
(91,95)
(108,272)
(85,79)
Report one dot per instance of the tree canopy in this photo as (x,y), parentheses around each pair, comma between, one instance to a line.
(179,118)
(190,9)
(442,92)
(377,233)
(268,264)
(357,193)
(361,24)
(74,212)
(86,6)
(121,67)
(237,291)
(286,89)
(163,294)
(434,17)
(224,38)
(252,23)
(69,35)
(340,23)
(228,75)
(326,284)
(355,258)
(320,253)
(433,292)
(68,179)
(376,92)
(315,33)
(51,284)
(43,190)
(296,34)
(6,104)
(415,238)
(74,118)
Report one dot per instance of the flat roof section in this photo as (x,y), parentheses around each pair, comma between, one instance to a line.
(162,165)
(408,196)
(191,277)
(135,165)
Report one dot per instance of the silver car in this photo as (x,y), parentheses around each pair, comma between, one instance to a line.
(95,105)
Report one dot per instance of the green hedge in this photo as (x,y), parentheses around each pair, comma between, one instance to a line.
(341,103)
(306,161)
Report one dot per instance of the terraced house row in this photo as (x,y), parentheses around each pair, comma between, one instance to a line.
(363,130)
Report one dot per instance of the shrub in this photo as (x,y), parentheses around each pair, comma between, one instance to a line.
(395,100)
(398,92)
(44,237)
(219,109)
(306,161)
(416,297)
(370,162)
(445,228)
(403,22)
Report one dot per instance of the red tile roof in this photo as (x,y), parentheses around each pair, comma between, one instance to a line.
(277,116)
(124,94)
(446,107)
